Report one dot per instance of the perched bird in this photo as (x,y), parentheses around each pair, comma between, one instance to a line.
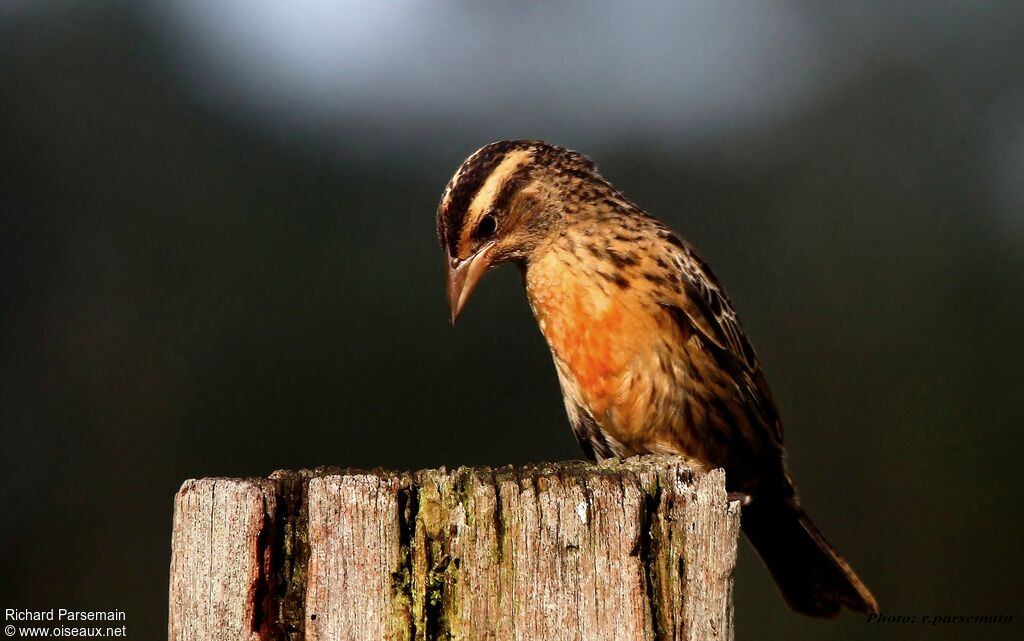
(649,352)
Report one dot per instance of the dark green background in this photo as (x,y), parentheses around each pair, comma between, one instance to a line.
(190,290)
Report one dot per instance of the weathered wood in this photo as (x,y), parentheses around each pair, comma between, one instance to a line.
(355,549)
(641,549)
(217,558)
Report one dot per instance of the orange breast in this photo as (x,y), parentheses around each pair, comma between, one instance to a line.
(591,329)
(585,339)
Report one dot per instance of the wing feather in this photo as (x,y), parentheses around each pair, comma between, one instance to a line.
(707,309)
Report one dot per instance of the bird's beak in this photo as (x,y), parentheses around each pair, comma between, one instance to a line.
(463,275)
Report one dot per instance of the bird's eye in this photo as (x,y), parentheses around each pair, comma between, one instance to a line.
(485,228)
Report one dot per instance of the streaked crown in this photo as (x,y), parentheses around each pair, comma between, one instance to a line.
(478,198)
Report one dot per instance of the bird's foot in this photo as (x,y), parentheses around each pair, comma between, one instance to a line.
(743,498)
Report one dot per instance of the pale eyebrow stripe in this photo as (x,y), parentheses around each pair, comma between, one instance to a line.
(489,190)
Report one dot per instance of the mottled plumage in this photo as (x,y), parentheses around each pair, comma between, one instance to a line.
(649,352)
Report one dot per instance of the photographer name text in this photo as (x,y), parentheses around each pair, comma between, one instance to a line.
(61,614)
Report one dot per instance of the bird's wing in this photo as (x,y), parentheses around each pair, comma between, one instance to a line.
(702,304)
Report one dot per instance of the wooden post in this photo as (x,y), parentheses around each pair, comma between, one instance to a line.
(637,550)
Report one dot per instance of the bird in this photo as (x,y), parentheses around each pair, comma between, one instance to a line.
(649,353)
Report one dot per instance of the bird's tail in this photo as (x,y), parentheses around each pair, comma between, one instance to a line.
(811,575)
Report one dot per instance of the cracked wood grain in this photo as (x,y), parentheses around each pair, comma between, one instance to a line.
(217,559)
(642,549)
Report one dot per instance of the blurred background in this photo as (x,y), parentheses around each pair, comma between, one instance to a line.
(217,257)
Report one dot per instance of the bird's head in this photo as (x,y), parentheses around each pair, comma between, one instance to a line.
(505,201)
